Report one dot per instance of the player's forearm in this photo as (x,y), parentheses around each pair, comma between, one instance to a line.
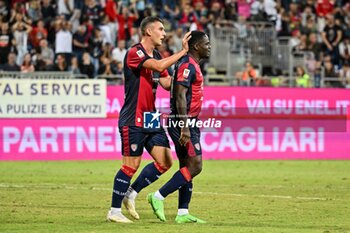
(165,83)
(161,65)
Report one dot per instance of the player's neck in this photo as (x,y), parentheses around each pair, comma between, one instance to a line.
(148,46)
(194,57)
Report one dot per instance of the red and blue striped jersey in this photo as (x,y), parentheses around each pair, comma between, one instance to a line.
(188,74)
(140,86)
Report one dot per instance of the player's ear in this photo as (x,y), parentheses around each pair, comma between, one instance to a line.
(148,31)
(196,46)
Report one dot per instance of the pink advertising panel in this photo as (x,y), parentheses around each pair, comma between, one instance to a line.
(256,123)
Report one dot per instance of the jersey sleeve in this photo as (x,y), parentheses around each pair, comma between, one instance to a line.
(186,74)
(135,58)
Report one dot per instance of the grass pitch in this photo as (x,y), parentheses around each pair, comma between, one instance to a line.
(233,196)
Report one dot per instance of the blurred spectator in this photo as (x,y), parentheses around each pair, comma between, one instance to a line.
(248,76)
(111,10)
(170,44)
(65,7)
(11,63)
(170,11)
(344,50)
(163,50)
(21,31)
(18,14)
(242,30)
(95,47)
(27,65)
(93,11)
(257,11)
(309,27)
(48,12)
(86,66)
(4,11)
(271,10)
(314,46)
(38,33)
(329,72)
(302,45)
(106,51)
(34,10)
(215,15)
(177,37)
(64,39)
(244,8)
(188,20)
(347,26)
(324,7)
(61,64)
(80,42)
(74,65)
(296,39)
(303,79)
(286,29)
(6,42)
(344,75)
(107,67)
(135,36)
(308,16)
(107,30)
(126,21)
(119,52)
(47,54)
(331,36)
(119,70)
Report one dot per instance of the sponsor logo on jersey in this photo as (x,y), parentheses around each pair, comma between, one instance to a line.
(197,146)
(134,147)
(140,54)
(186,73)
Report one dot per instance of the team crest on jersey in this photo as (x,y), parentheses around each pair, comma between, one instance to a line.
(186,73)
(197,146)
(140,54)
(134,147)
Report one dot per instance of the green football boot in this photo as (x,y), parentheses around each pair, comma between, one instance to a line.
(187,218)
(157,206)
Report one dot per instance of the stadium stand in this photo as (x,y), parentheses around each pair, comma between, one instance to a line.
(276,37)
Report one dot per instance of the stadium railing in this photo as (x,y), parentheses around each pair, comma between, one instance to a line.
(42,75)
(111,79)
(116,79)
(254,41)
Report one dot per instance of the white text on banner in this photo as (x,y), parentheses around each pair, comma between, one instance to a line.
(29,98)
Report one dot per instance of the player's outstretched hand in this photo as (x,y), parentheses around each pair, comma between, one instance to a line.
(185,40)
(185,136)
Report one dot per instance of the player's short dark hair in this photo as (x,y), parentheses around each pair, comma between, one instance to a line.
(196,36)
(147,21)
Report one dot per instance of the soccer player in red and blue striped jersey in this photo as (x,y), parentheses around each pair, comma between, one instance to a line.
(186,101)
(143,70)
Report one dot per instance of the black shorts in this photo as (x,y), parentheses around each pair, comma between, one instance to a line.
(134,139)
(192,148)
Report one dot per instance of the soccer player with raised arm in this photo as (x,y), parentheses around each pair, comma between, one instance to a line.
(143,70)
(186,101)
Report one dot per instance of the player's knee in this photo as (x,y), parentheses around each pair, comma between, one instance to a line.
(128,170)
(168,164)
(195,167)
(162,167)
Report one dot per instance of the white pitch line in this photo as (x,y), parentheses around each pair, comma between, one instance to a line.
(48,185)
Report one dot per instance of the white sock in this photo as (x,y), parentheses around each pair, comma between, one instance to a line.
(116,210)
(159,196)
(131,193)
(182,211)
